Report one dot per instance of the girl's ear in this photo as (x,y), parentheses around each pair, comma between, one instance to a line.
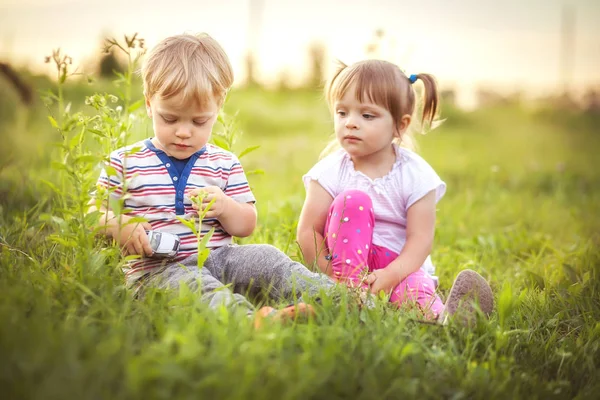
(402,125)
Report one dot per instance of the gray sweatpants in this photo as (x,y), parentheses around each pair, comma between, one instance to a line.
(250,270)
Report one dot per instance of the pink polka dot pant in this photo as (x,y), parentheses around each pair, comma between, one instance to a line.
(349,235)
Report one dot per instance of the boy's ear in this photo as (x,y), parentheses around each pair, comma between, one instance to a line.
(148,108)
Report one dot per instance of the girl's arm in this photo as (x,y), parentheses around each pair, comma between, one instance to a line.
(311,227)
(420,228)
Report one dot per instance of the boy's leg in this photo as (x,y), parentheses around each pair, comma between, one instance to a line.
(349,233)
(213,291)
(257,268)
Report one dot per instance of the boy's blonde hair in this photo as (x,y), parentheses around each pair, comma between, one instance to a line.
(383,83)
(193,65)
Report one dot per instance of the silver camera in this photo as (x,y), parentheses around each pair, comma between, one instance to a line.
(164,245)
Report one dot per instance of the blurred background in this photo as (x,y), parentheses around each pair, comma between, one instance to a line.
(479,50)
(519,80)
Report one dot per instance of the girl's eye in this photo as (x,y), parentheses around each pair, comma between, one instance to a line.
(199,123)
(368,116)
(341,113)
(168,120)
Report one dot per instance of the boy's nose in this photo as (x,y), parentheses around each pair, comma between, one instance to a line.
(183,132)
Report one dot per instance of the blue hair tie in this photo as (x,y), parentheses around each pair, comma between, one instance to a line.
(412,78)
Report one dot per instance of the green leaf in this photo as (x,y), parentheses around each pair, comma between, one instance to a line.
(92,218)
(74,141)
(97,132)
(58,166)
(206,238)
(135,106)
(202,256)
(62,240)
(133,150)
(87,159)
(51,186)
(53,122)
(116,205)
(221,143)
(570,273)
(191,224)
(505,305)
(248,150)
(110,171)
(137,220)
(536,281)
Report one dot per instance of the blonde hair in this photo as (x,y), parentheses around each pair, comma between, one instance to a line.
(384,84)
(193,65)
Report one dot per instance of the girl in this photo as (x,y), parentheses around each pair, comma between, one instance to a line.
(369,214)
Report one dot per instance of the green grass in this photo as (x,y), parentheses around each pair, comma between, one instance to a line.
(522,208)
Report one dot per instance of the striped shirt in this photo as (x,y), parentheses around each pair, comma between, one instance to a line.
(158,192)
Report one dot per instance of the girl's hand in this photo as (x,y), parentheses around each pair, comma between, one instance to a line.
(382,280)
(131,236)
(220,205)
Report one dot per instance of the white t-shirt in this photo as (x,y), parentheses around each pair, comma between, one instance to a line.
(410,179)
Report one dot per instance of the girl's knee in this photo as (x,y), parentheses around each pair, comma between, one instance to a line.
(354,198)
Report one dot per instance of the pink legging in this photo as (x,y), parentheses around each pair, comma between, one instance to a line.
(349,235)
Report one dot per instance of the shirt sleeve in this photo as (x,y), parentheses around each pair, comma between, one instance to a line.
(237,186)
(325,173)
(111,178)
(420,179)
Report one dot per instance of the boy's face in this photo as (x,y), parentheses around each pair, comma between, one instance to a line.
(181,129)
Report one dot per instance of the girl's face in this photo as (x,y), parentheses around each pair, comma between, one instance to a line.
(363,129)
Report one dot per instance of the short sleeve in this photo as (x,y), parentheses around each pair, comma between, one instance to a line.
(326,173)
(419,178)
(111,177)
(237,186)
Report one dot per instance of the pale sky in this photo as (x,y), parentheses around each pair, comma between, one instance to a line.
(510,44)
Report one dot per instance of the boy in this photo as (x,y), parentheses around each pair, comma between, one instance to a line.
(186,79)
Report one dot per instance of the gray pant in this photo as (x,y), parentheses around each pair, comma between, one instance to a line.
(250,270)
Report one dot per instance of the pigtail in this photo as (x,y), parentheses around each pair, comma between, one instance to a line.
(430,97)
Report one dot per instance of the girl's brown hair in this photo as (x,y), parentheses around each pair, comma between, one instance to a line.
(383,83)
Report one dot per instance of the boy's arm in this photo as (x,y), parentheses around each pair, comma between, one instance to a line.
(131,237)
(238,219)
(311,227)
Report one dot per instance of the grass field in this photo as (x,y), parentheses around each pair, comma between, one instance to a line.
(522,208)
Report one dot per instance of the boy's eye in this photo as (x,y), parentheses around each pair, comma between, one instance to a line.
(199,123)
(341,113)
(368,116)
(169,120)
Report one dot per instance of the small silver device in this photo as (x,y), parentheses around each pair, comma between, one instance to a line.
(164,245)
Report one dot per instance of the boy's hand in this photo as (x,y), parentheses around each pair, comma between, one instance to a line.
(131,236)
(382,280)
(220,205)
